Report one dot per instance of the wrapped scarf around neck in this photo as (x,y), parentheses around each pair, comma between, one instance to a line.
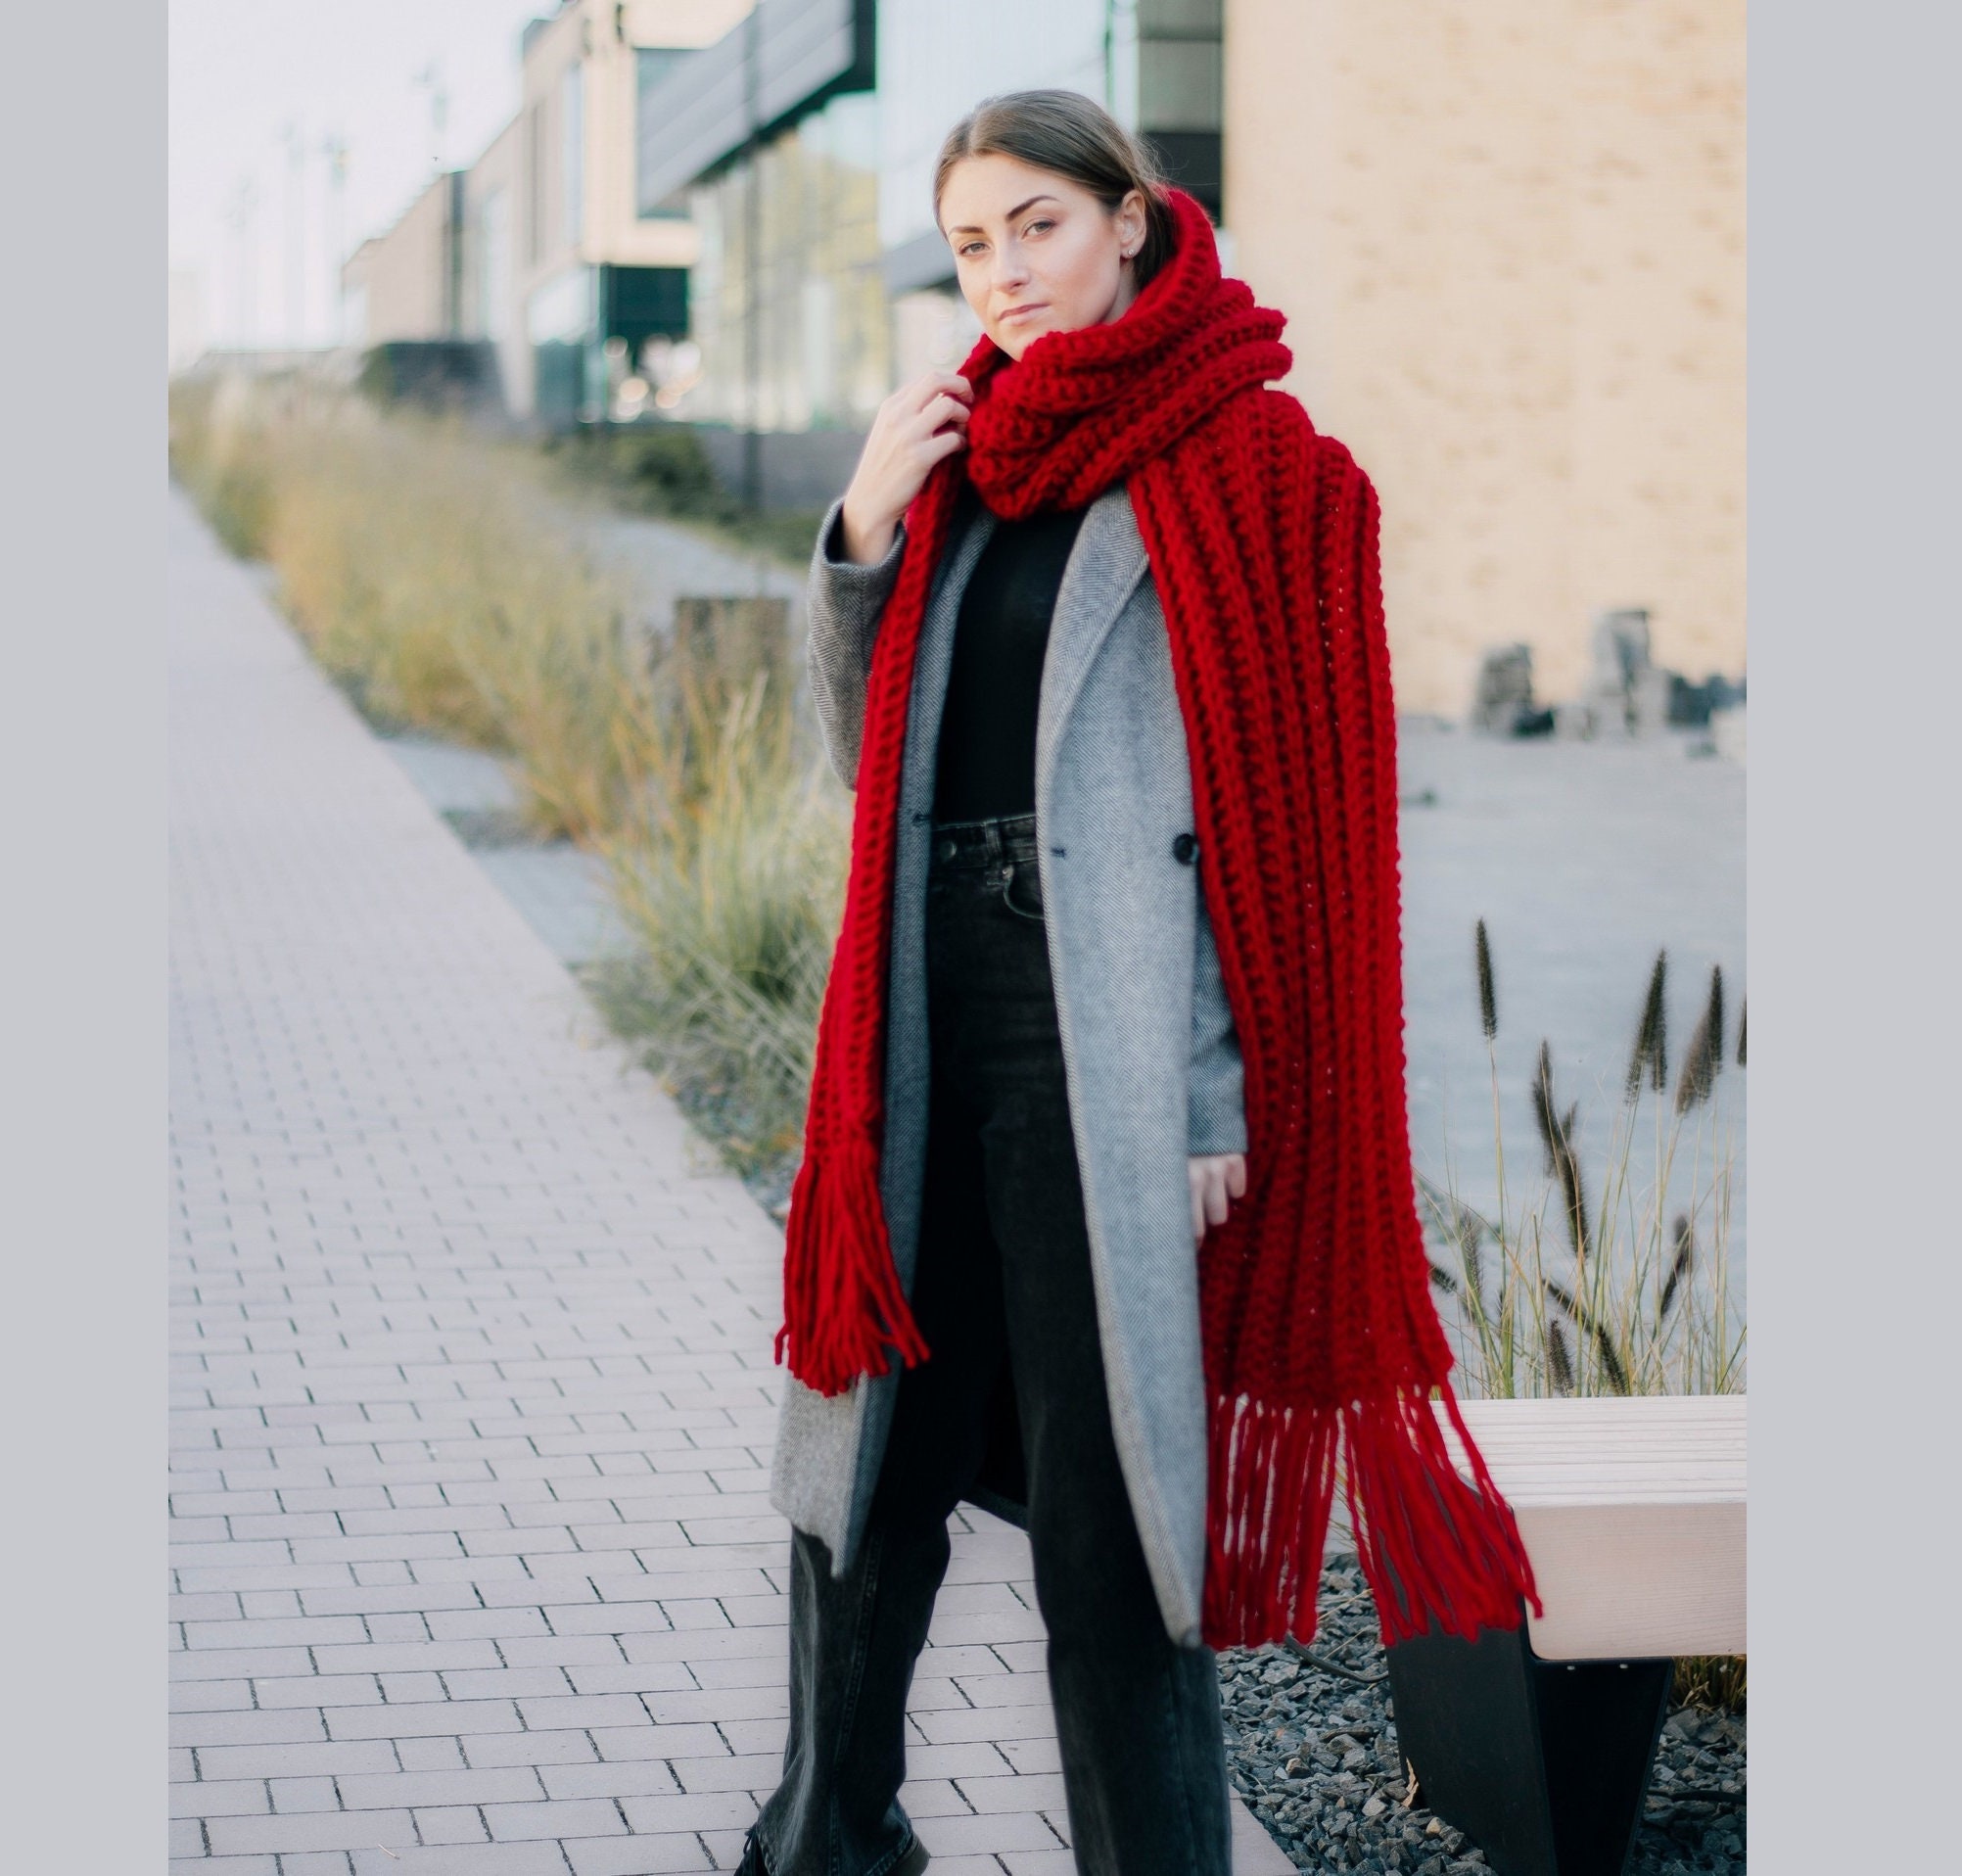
(1323,1348)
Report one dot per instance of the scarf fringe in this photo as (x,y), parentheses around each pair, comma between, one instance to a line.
(1439,1552)
(840,1284)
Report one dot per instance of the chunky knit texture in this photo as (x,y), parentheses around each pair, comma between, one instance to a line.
(1323,1348)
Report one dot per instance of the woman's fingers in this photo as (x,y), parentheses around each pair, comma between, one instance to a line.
(1217,1179)
(941,408)
(949,383)
(917,425)
(1216,1197)
(926,392)
(944,445)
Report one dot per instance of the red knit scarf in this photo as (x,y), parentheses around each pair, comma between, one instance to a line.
(1323,1348)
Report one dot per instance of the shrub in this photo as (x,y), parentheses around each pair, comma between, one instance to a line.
(734,890)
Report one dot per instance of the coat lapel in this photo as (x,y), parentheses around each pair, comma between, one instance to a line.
(1104,564)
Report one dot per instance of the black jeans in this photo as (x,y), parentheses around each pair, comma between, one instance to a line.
(1003,1276)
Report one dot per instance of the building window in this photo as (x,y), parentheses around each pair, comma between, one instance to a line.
(787,302)
(651,66)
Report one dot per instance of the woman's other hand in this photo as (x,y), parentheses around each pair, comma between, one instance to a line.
(917,425)
(1217,1179)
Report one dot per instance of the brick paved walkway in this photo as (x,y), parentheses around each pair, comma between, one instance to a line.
(473,1563)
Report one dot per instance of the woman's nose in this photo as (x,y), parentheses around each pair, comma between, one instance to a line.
(1011,270)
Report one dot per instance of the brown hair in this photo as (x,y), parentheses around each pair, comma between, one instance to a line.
(1072,136)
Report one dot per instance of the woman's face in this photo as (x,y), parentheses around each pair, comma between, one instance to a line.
(1036,253)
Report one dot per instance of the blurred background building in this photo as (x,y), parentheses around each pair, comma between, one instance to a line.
(1509,240)
(541,251)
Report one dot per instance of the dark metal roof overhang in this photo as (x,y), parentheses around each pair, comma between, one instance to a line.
(778,64)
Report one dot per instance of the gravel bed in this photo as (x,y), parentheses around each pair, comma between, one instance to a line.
(1310,1746)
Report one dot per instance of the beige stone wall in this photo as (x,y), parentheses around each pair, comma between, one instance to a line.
(1509,237)
(403,272)
(490,306)
(604,40)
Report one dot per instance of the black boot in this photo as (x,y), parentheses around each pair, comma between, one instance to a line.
(912,1863)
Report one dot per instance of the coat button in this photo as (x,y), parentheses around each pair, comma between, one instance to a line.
(1184,848)
(948,849)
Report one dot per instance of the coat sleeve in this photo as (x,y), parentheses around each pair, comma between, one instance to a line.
(843,602)
(1217,1103)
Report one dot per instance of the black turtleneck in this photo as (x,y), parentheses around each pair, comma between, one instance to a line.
(986,762)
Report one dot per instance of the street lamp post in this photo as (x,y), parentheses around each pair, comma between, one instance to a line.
(334,148)
(752,441)
(296,235)
(239,218)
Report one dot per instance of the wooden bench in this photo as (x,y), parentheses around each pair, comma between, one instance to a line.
(1539,1742)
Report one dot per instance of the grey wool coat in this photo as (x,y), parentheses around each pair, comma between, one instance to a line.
(1152,1062)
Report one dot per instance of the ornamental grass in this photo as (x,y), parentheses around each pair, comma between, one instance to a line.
(1598,1282)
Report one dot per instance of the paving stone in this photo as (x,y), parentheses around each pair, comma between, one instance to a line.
(532,1748)
(566,1817)
(284,1837)
(640,1778)
(430,1755)
(536,1858)
(461,1717)
(220,1798)
(666,1740)
(317,1690)
(494,1785)
(643,1855)
(455,1824)
(304,1793)
(211,1695)
(277,1726)
(319,1759)
(973,1834)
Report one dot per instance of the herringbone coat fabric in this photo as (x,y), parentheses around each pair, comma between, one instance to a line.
(1151,1058)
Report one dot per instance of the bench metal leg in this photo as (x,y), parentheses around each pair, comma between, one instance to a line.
(1543,1764)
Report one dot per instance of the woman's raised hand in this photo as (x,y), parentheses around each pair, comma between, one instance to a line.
(1217,1179)
(917,425)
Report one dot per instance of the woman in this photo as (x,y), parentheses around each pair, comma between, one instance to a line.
(1093,637)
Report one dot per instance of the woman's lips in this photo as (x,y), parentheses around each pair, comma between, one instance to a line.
(1016,313)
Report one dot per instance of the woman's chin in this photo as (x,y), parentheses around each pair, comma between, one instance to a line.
(1016,336)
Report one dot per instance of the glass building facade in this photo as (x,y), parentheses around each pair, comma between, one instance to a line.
(652,65)
(936,62)
(788,301)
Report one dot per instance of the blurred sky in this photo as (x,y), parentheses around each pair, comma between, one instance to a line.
(241,70)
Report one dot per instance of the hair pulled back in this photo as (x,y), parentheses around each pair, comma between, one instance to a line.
(1074,137)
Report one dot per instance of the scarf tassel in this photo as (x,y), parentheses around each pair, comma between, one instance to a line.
(1439,1552)
(843,1303)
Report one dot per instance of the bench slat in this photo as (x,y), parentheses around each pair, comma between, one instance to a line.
(1633,1514)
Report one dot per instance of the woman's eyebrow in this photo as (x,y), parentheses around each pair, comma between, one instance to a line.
(969,228)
